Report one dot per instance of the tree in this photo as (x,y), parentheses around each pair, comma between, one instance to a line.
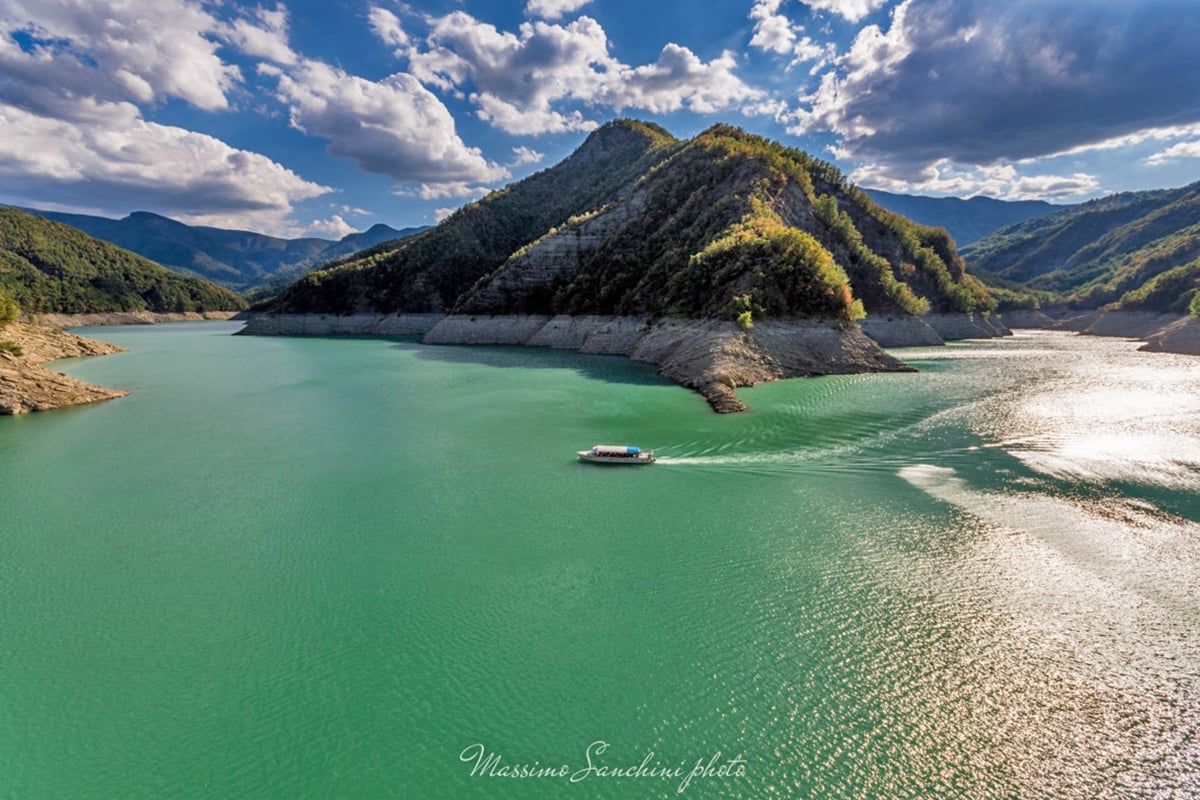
(9,310)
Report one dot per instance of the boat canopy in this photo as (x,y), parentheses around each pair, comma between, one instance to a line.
(615,450)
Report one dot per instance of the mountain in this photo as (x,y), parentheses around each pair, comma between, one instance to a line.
(638,222)
(47,266)
(1136,249)
(431,270)
(355,242)
(967,221)
(237,259)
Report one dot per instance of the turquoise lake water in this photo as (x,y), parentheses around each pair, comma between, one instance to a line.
(339,568)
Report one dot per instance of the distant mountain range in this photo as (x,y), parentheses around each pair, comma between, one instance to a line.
(47,266)
(1138,249)
(637,222)
(239,260)
(967,221)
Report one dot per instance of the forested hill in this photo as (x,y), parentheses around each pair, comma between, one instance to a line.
(236,259)
(637,222)
(431,271)
(46,266)
(1136,249)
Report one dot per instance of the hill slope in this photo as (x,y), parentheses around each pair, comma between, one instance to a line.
(237,259)
(50,267)
(637,222)
(1111,250)
(429,272)
(967,221)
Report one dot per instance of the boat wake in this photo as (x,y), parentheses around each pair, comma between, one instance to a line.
(850,445)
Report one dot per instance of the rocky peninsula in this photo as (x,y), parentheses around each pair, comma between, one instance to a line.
(713,357)
(26,385)
(726,260)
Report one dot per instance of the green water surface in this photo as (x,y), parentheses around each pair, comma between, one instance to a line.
(328,567)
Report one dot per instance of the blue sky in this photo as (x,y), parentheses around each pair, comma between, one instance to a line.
(324,117)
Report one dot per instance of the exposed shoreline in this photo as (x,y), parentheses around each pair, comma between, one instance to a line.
(932,329)
(1161,333)
(712,357)
(26,385)
(126,318)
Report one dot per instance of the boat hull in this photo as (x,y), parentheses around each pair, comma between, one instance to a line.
(640,458)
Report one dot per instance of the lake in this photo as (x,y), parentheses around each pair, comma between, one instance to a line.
(367,568)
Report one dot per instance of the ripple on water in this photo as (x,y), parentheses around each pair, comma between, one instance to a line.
(937,584)
(1090,629)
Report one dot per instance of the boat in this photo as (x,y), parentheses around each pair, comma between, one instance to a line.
(617,454)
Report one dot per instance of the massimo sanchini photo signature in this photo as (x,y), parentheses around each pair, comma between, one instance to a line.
(487,763)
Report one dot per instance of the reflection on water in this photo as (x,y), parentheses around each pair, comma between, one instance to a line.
(1099,603)
(1063,589)
(1081,409)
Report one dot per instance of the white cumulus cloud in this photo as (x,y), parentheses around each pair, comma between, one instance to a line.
(516,77)
(120,50)
(520,82)
(394,126)
(333,228)
(526,155)
(775,33)
(1001,181)
(264,34)
(120,162)
(437,191)
(73,134)
(553,9)
(677,79)
(386,26)
(1176,151)
(772,30)
(851,10)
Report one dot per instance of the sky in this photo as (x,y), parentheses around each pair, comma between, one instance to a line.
(323,117)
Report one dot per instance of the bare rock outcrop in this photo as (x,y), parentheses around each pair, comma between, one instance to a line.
(966,326)
(591,334)
(1179,336)
(1028,318)
(1162,333)
(901,331)
(129,318)
(1129,324)
(713,357)
(483,329)
(349,324)
(25,385)
(555,256)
